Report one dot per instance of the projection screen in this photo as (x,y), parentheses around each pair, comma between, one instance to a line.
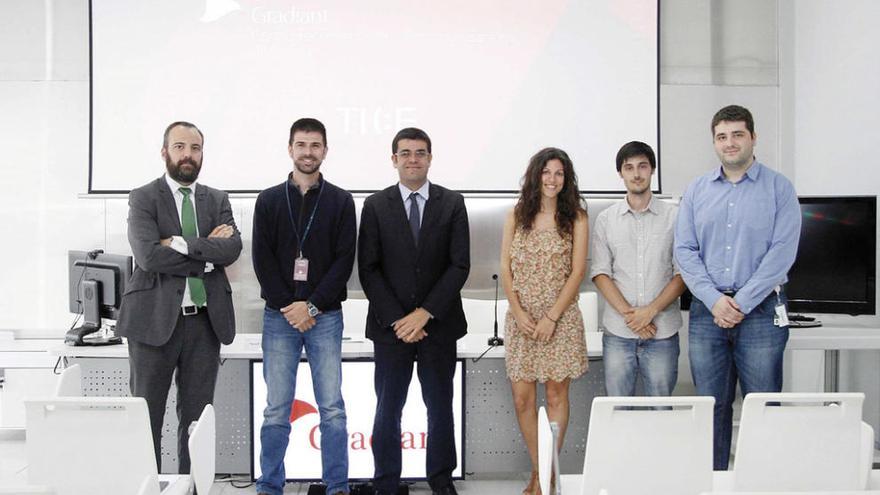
(491,81)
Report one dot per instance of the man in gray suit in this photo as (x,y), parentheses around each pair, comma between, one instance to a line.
(177,307)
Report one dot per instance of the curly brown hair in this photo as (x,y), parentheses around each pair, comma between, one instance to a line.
(568,203)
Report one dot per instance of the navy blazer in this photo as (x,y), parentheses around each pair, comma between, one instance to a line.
(398,276)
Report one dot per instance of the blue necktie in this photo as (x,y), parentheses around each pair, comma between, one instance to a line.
(414,216)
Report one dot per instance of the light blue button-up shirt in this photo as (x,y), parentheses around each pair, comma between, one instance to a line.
(737,236)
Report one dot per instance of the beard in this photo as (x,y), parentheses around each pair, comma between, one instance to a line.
(308,168)
(181,174)
(640,188)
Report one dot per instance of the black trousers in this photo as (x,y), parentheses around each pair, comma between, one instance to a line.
(394,369)
(194,352)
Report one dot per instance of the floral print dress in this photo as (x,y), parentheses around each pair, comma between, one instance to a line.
(540,261)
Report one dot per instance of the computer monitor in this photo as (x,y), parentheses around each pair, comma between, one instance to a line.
(97,281)
(835,269)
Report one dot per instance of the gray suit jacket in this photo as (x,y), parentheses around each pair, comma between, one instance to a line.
(151,303)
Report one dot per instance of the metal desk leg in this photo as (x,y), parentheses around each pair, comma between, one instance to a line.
(832,370)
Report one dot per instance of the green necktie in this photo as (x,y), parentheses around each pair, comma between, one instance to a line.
(188,225)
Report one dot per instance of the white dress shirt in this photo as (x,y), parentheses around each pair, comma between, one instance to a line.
(423,198)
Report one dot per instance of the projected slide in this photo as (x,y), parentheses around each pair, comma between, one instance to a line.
(491,82)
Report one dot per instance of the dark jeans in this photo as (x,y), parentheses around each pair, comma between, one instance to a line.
(751,352)
(436,369)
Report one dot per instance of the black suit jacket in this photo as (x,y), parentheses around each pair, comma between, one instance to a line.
(151,303)
(399,277)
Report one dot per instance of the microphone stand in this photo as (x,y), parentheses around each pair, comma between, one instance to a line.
(494,340)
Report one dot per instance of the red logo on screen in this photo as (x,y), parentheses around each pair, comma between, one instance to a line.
(301,408)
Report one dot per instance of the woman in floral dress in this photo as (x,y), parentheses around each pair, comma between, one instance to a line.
(543,261)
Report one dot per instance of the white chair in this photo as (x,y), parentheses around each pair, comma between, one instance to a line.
(645,450)
(547,453)
(93,445)
(202,451)
(70,382)
(794,442)
(588,302)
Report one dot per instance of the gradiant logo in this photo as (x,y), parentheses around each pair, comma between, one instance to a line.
(301,408)
(216,9)
(357,440)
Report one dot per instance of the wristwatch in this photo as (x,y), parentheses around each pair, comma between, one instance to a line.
(313,311)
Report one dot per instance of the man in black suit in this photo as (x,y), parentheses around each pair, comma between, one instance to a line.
(413,259)
(177,307)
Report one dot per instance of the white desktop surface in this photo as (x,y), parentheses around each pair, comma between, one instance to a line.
(247,346)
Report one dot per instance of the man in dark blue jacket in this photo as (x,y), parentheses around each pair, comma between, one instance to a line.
(413,260)
(303,251)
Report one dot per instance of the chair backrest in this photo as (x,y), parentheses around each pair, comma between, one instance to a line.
(545,451)
(866,460)
(800,442)
(202,451)
(88,445)
(70,382)
(633,448)
(589,306)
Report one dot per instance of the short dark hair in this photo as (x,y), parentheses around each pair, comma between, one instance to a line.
(634,149)
(180,123)
(734,113)
(308,124)
(410,133)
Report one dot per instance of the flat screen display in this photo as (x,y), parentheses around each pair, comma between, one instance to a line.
(303,459)
(835,269)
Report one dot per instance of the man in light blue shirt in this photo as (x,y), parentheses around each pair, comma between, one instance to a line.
(735,239)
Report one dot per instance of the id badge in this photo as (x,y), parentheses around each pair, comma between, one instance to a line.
(301,269)
(781,317)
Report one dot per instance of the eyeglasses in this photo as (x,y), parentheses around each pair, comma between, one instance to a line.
(405,154)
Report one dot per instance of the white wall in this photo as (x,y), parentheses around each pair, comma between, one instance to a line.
(44,138)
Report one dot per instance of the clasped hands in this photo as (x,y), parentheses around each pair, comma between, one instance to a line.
(726,312)
(641,321)
(411,328)
(540,331)
(297,314)
(221,231)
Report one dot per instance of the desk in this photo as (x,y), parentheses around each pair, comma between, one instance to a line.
(832,340)
(247,346)
(492,442)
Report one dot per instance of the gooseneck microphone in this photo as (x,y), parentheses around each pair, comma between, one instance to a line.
(495,340)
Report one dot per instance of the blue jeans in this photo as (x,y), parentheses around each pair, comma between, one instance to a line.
(751,352)
(655,360)
(282,348)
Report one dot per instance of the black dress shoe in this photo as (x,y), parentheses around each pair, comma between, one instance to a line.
(369,490)
(446,490)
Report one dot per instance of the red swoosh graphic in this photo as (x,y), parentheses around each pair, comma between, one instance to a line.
(301,408)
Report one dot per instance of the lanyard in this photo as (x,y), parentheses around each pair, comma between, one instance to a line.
(302,241)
